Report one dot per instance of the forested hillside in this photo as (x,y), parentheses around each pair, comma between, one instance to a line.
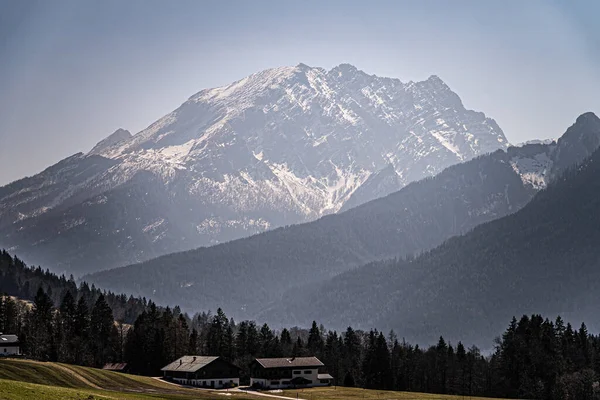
(544,257)
(23,282)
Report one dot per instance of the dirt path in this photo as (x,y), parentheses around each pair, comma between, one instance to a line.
(273,396)
(225,391)
(77,376)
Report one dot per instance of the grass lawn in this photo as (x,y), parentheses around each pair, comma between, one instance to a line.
(342,393)
(25,379)
(18,390)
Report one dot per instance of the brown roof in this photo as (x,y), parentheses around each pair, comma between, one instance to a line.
(115,366)
(298,362)
(9,340)
(193,363)
(189,363)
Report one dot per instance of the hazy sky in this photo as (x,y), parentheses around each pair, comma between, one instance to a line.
(71,72)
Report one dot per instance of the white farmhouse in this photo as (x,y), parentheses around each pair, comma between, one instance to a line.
(281,373)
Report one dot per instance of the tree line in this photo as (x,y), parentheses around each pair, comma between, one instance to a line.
(534,357)
(19,280)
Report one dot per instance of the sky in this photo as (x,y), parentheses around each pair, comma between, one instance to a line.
(74,71)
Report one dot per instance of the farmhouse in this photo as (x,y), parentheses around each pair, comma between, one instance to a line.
(280,373)
(9,345)
(203,371)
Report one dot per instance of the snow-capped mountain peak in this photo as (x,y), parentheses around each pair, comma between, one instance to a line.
(320,134)
(289,144)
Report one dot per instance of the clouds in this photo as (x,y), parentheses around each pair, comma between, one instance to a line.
(73,72)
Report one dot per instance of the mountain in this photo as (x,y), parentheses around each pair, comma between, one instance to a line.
(263,271)
(117,136)
(544,258)
(281,146)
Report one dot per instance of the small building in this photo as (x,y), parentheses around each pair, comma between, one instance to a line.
(203,371)
(281,373)
(116,367)
(9,345)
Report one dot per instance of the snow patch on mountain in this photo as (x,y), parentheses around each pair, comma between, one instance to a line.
(535,141)
(534,170)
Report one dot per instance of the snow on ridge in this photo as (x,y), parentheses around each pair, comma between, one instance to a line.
(535,141)
(152,226)
(533,170)
(444,141)
(246,87)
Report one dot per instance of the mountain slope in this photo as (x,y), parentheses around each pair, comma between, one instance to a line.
(544,258)
(281,146)
(260,270)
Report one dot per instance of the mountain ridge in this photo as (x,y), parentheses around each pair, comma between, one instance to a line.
(278,147)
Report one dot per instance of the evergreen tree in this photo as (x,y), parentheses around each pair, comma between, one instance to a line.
(216,334)
(286,342)
(67,320)
(40,332)
(441,365)
(315,341)
(103,333)
(352,353)
(193,342)
(266,337)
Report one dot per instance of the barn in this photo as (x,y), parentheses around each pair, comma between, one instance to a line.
(203,371)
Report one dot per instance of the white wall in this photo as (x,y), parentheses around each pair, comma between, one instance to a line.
(312,376)
(207,382)
(9,351)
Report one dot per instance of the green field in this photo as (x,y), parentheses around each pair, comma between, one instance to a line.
(342,393)
(24,379)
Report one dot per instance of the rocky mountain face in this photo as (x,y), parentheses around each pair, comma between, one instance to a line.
(267,275)
(541,259)
(281,146)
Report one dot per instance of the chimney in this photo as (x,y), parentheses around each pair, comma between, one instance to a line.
(194,359)
(180,361)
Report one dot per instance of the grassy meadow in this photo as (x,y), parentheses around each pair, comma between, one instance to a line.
(342,393)
(26,379)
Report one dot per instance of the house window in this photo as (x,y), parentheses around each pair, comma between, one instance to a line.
(220,382)
(5,350)
(297,372)
(307,372)
(324,381)
(275,383)
(285,382)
